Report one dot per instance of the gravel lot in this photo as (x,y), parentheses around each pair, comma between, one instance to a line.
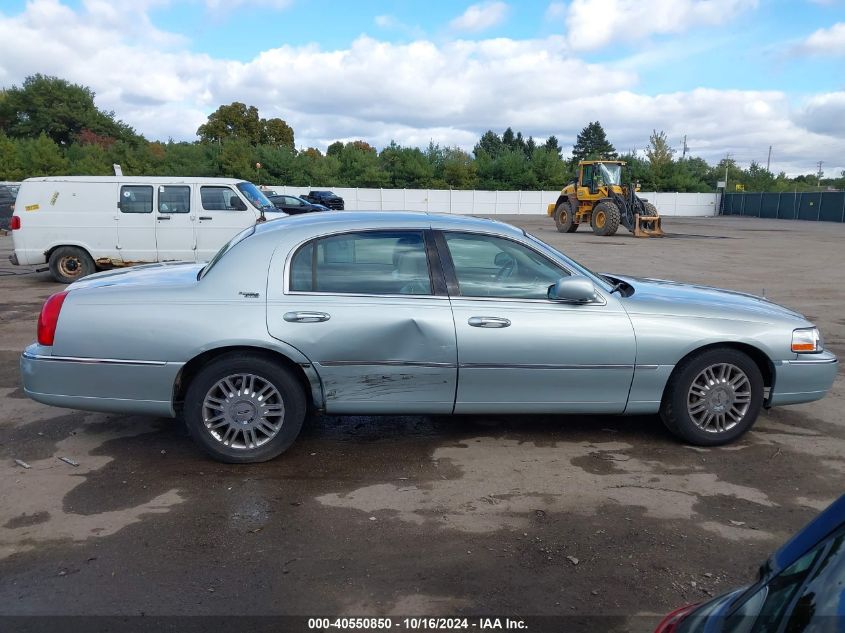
(514,516)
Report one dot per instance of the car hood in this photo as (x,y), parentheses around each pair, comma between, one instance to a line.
(144,275)
(672,297)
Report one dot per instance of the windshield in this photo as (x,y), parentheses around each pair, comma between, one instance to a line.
(602,282)
(256,198)
(240,237)
(609,174)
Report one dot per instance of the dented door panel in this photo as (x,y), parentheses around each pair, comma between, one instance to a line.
(374,354)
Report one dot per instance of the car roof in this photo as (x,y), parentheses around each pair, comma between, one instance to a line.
(359,220)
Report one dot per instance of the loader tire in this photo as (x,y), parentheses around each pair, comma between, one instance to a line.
(649,210)
(605,219)
(565,218)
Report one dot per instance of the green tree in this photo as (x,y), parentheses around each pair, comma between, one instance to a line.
(459,171)
(659,160)
(42,157)
(277,132)
(490,144)
(592,143)
(59,109)
(233,121)
(10,159)
(553,144)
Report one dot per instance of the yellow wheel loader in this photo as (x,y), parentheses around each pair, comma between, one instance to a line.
(598,198)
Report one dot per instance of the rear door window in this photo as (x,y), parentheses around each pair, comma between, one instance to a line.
(174,199)
(136,199)
(375,262)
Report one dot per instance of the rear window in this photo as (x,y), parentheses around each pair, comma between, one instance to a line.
(136,199)
(240,237)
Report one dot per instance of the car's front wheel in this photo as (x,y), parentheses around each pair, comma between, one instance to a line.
(242,409)
(713,397)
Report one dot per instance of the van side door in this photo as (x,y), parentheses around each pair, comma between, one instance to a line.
(175,221)
(222,213)
(136,229)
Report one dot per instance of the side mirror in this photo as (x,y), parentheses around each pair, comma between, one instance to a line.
(237,203)
(574,289)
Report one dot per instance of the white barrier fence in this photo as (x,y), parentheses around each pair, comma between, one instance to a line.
(493,202)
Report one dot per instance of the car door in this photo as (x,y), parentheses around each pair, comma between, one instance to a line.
(175,222)
(136,229)
(293,205)
(221,215)
(373,315)
(519,351)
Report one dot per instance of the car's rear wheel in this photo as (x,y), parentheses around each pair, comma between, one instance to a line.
(69,263)
(713,398)
(243,409)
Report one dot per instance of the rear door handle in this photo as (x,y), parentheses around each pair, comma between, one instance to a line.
(483,321)
(163,217)
(305,317)
(206,217)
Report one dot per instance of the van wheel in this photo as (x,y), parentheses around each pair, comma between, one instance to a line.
(69,263)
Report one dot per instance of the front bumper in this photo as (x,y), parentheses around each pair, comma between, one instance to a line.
(804,379)
(98,384)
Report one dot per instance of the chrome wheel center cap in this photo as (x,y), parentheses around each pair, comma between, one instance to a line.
(243,411)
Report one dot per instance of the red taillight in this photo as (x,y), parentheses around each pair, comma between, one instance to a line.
(670,623)
(49,317)
(15,222)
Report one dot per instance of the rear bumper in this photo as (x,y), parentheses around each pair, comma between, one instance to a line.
(803,380)
(97,384)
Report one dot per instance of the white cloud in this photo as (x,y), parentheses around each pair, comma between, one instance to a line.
(830,41)
(220,6)
(592,24)
(449,92)
(481,16)
(555,11)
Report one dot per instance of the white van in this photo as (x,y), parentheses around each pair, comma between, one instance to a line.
(79,224)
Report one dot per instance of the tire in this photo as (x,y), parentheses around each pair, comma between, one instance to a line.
(69,263)
(649,210)
(687,404)
(233,429)
(605,219)
(564,218)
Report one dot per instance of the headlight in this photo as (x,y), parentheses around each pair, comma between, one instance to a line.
(807,340)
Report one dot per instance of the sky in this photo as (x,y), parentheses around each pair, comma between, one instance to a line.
(733,76)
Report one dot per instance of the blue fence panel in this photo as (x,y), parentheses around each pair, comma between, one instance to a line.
(788,206)
(832,206)
(769,205)
(752,204)
(809,205)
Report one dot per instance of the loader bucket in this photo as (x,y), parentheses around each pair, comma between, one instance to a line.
(647,226)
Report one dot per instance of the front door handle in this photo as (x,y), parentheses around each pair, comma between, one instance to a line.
(305,317)
(482,321)
(163,217)
(206,217)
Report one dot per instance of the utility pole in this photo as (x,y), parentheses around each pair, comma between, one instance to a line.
(819,173)
(769,159)
(684,153)
(727,162)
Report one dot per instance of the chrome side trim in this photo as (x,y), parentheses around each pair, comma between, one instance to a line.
(531,366)
(94,361)
(809,361)
(647,367)
(388,363)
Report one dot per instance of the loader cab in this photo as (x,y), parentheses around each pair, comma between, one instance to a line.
(597,174)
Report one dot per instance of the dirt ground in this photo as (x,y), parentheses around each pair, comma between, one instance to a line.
(517,516)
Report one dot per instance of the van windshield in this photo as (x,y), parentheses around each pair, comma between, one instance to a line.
(255,196)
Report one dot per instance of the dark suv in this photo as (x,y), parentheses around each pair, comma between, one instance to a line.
(326,198)
(8,194)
